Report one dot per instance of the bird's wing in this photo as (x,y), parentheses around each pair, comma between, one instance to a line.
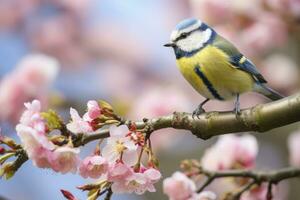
(242,63)
(237,59)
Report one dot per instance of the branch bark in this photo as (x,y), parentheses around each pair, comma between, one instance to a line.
(259,118)
(257,178)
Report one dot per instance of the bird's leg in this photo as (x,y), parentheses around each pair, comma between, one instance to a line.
(237,109)
(199,110)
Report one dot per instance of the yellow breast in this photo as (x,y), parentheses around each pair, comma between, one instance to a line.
(224,78)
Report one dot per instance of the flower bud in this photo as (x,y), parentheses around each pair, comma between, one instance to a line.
(2,150)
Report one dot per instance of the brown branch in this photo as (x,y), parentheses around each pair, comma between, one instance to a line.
(21,159)
(240,192)
(258,177)
(259,118)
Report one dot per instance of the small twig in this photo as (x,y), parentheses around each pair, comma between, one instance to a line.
(269,192)
(257,177)
(108,194)
(103,192)
(208,181)
(21,159)
(247,187)
(259,118)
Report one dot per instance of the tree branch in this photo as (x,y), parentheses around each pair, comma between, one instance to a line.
(257,178)
(259,118)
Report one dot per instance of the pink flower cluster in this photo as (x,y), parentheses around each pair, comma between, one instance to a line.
(44,154)
(235,152)
(231,152)
(84,124)
(126,180)
(30,80)
(180,187)
(117,162)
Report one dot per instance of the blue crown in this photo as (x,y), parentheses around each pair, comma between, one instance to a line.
(186,23)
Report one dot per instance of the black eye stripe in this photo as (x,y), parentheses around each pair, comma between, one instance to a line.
(184,35)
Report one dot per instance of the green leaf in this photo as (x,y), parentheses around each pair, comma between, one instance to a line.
(93,194)
(7,171)
(6,156)
(105,105)
(53,120)
(9,174)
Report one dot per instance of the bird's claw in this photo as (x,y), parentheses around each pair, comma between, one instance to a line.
(199,110)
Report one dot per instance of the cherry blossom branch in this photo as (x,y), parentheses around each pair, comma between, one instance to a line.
(259,118)
(239,193)
(22,158)
(257,178)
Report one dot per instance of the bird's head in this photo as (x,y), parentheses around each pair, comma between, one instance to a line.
(189,36)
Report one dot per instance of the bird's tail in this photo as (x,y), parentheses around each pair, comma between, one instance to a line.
(268,92)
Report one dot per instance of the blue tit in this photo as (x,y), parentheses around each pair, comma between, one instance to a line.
(214,66)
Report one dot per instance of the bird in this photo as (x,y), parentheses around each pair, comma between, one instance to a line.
(214,66)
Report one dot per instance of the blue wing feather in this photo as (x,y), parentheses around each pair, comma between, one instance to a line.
(237,59)
(242,63)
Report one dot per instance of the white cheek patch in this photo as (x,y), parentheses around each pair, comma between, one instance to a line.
(194,41)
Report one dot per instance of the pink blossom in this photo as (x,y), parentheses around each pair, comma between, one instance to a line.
(32,114)
(120,144)
(93,166)
(153,176)
(179,187)
(137,182)
(65,159)
(134,183)
(31,79)
(43,153)
(78,125)
(31,131)
(294,148)
(37,146)
(260,193)
(118,172)
(93,112)
(240,151)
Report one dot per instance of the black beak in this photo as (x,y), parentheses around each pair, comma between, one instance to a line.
(170,45)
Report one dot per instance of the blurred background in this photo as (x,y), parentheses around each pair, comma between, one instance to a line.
(66,52)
